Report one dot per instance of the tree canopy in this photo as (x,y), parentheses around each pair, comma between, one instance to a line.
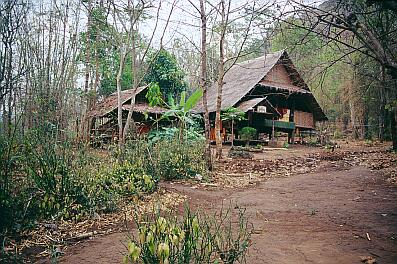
(165,70)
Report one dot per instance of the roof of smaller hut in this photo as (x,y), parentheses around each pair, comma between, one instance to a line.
(248,105)
(145,108)
(110,103)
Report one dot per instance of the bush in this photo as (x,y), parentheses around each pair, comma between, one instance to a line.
(168,159)
(173,159)
(128,179)
(192,239)
(171,133)
(248,133)
(44,179)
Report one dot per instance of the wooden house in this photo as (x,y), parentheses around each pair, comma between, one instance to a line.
(103,116)
(273,95)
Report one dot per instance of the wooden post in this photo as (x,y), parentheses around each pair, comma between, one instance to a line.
(273,129)
(291,119)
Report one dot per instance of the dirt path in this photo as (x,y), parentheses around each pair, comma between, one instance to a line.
(309,218)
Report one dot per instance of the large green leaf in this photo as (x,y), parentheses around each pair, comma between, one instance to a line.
(193,100)
(183,99)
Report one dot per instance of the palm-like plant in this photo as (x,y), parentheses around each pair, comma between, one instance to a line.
(180,111)
(232,114)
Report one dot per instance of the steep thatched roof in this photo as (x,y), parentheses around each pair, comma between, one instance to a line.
(239,80)
(243,77)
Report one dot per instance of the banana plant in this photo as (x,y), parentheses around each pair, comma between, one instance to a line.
(182,111)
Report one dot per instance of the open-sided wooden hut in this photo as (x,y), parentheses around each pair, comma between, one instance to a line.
(272,93)
(104,115)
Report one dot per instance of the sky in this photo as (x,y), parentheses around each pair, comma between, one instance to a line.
(185,23)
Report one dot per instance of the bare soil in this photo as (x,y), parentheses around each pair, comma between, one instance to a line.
(341,210)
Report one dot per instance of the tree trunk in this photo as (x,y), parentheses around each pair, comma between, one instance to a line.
(130,119)
(382,105)
(391,97)
(221,73)
(203,81)
(83,122)
(232,140)
(119,103)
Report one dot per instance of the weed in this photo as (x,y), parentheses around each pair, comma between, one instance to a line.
(194,238)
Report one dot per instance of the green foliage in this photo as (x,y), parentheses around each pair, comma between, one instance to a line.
(165,71)
(233,114)
(168,158)
(286,145)
(130,180)
(169,133)
(182,112)
(154,94)
(193,239)
(44,179)
(173,159)
(248,133)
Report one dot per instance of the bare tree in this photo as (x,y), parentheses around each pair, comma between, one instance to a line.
(204,82)
(129,16)
(12,19)
(372,26)
(225,63)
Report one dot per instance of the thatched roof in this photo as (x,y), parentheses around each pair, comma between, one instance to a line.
(244,77)
(145,108)
(110,103)
(239,80)
(248,105)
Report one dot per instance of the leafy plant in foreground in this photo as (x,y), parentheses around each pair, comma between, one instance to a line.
(194,238)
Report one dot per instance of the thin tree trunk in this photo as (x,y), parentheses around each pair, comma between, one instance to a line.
(393,114)
(382,105)
(232,133)
(221,73)
(204,84)
(119,102)
(83,122)
(135,84)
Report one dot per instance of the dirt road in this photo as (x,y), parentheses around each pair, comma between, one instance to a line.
(321,217)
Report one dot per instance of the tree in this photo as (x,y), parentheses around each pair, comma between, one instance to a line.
(225,63)
(12,20)
(372,25)
(165,71)
(232,114)
(204,82)
(126,20)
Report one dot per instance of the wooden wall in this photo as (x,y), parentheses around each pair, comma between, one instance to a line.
(278,74)
(303,119)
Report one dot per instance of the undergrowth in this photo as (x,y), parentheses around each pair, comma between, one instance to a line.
(194,238)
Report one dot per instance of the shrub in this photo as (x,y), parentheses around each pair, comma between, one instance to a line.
(44,179)
(191,239)
(170,133)
(248,133)
(173,159)
(128,179)
(168,159)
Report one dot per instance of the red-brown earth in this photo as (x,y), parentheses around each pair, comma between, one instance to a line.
(337,207)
